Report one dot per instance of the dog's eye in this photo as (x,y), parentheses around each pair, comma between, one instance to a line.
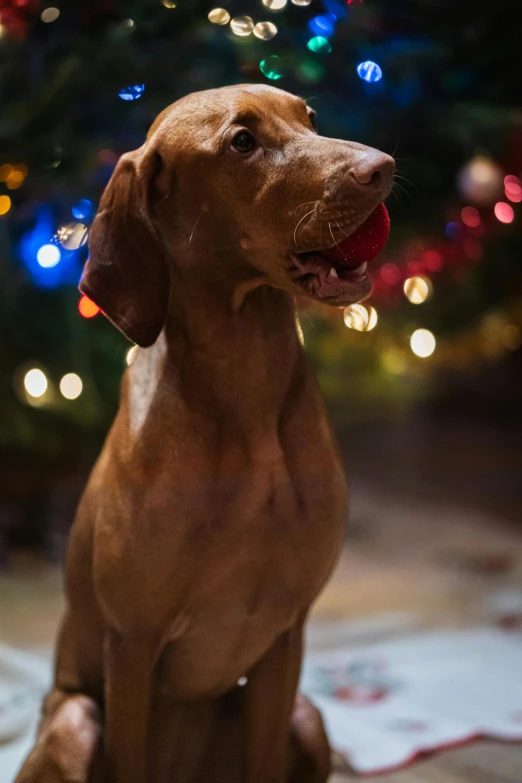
(243,142)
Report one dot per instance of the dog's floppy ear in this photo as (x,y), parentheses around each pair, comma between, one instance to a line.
(127,274)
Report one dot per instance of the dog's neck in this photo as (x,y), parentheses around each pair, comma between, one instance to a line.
(237,368)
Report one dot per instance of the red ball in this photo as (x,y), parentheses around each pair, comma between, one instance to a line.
(364,244)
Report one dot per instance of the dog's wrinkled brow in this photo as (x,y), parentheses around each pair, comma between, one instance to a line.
(244,116)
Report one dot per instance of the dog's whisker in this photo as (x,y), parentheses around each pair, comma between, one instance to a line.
(195,226)
(296,228)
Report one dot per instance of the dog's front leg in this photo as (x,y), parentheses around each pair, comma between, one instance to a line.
(270,696)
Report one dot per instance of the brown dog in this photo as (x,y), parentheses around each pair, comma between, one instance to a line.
(216,510)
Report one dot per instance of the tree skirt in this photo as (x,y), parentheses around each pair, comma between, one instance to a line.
(386,704)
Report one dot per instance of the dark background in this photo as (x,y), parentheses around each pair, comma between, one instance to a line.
(448,106)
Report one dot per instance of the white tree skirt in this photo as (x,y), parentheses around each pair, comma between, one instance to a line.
(386,704)
(383,705)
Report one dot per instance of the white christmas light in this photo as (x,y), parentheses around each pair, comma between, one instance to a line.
(422,343)
(71,386)
(35,382)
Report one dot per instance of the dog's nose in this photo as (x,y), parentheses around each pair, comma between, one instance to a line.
(374,168)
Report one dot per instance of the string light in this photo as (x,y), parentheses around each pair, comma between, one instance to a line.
(301,2)
(417,289)
(513,188)
(132,93)
(470,217)
(87,308)
(275,5)
(71,386)
(265,31)
(50,15)
(360,317)
(48,256)
(323,25)
(319,45)
(504,212)
(369,71)
(422,343)
(219,16)
(242,25)
(35,383)
(5,205)
(271,67)
(83,210)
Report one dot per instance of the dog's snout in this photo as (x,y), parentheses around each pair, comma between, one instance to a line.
(375,169)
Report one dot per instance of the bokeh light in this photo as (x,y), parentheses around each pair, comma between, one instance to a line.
(301,2)
(470,217)
(48,256)
(362,318)
(271,67)
(369,71)
(242,25)
(504,212)
(324,25)
(319,45)
(50,14)
(35,382)
(169,3)
(390,273)
(422,343)
(417,289)
(5,205)
(71,386)
(219,16)
(132,93)
(87,308)
(513,188)
(83,210)
(275,5)
(265,31)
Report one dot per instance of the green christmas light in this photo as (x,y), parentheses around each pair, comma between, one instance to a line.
(319,45)
(271,67)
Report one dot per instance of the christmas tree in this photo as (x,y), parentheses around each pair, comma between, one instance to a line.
(435,83)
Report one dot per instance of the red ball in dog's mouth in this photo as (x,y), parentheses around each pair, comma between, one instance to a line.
(337,275)
(364,244)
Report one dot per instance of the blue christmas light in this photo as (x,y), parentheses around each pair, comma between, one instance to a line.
(83,210)
(323,25)
(453,230)
(369,71)
(132,93)
(48,256)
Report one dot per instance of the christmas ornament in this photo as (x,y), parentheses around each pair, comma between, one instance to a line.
(481,181)
(365,243)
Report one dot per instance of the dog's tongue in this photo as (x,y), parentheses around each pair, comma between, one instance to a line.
(364,244)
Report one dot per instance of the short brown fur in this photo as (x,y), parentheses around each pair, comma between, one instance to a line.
(216,510)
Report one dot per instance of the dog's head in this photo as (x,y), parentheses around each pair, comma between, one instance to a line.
(233,188)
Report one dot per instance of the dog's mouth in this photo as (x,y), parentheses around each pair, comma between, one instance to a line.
(338,274)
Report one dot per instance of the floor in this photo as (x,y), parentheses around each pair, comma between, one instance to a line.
(404,564)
